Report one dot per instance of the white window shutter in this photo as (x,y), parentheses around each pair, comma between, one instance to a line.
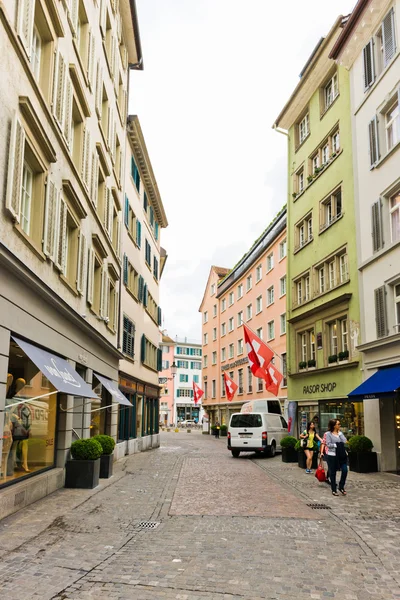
(388,37)
(109,127)
(116,62)
(118,240)
(25,19)
(94,187)
(116,306)
(90,277)
(85,158)
(82,259)
(110,218)
(67,110)
(50,220)
(104,296)
(111,58)
(15,168)
(99,90)
(119,28)
(90,59)
(73,15)
(107,297)
(62,236)
(103,17)
(59,82)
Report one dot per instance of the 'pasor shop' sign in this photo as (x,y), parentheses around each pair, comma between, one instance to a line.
(319,388)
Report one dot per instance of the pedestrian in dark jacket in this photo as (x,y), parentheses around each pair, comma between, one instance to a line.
(336,455)
(217,428)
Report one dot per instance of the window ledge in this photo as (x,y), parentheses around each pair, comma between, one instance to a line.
(29,242)
(298,248)
(327,165)
(386,156)
(379,254)
(325,226)
(301,143)
(369,90)
(69,285)
(306,373)
(331,104)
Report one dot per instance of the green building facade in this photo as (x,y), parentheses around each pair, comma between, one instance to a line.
(322,294)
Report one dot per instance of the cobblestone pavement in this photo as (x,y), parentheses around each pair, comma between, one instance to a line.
(189,522)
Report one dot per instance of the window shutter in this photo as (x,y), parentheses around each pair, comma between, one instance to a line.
(59,89)
(50,220)
(85,171)
(139,233)
(116,62)
(369,66)
(143,348)
(107,200)
(73,15)
(62,235)
(90,279)
(110,129)
(377,229)
(90,59)
(111,58)
(380,312)
(107,296)
(116,306)
(126,212)
(159,317)
(99,90)
(159,359)
(145,295)
(81,271)
(67,110)
(111,218)
(118,240)
(388,37)
(15,168)
(141,288)
(125,275)
(103,17)
(156,230)
(145,202)
(26,14)
(373,141)
(94,189)
(103,292)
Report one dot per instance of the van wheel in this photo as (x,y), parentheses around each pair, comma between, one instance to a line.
(271,451)
(235,453)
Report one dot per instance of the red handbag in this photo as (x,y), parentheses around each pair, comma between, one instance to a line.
(320,474)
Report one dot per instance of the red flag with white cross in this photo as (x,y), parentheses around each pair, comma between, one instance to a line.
(197,392)
(259,355)
(275,378)
(230,387)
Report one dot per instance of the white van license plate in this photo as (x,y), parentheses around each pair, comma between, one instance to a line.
(245,435)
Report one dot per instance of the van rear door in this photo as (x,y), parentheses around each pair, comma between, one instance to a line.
(246,431)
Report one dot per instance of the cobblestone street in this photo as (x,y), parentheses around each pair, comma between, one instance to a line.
(189,522)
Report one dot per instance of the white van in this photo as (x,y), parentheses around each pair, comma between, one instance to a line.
(258,432)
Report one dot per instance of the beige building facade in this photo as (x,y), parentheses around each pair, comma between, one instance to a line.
(64,75)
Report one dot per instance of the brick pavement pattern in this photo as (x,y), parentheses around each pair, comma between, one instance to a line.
(220,528)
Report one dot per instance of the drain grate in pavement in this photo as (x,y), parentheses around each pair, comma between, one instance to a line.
(147,525)
(317,506)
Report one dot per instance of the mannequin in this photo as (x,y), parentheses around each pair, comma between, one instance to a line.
(7,434)
(21,419)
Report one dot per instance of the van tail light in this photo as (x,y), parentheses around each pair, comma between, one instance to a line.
(264,437)
(229,435)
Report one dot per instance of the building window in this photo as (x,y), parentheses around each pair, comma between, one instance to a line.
(183,364)
(249,312)
(258,305)
(343,268)
(270,295)
(240,377)
(283,323)
(223,354)
(258,273)
(392,125)
(335,143)
(231,351)
(240,346)
(259,332)
(239,291)
(282,284)
(338,337)
(306,341)
(321,279)
(331,209)
(195,365)
(223,391)
(249,283)
(282,249)
(183,378)
(147,255)
(240,318)
(303,232)
(302,289)
(214,358)
(223,305)
(260,384)
(332,272)
(271,330)
(380,50)
(397,306)
(214,334)
(223,329)
(270,262)
(394,205)
(128,338)
(231,324)
(231,298)
(331,91)
(299,182)
(249,381)
(284,370)
(165,364)
(205,316)
(205,390)
(212,289)
(215,310)
(325,154)
(303,129)
(205,339)
(205,361)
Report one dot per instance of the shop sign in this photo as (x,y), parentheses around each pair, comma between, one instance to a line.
(237,363)
(127,383)
(319,388)
(162,380)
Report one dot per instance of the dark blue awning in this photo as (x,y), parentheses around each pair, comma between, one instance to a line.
(383,383)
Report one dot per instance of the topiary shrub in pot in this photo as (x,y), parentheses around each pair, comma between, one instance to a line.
(84,470)
(361,457)
(107,458)
(289,454)
(223,431)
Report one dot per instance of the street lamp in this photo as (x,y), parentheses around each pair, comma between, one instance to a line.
(173,369)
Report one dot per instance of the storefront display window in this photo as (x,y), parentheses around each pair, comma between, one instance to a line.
(29,419)
(139,414)
(351,415)
(127,420)
(307,414)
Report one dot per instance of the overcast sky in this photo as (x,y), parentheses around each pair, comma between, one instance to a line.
(216,74)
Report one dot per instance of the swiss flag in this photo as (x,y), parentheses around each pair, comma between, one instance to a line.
(197,392)
(259,354)
(230,387)
(275,377)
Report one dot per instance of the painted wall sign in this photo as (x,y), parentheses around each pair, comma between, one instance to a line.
(319,388)
(241,361)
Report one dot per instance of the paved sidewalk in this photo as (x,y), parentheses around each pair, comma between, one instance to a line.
(189,522)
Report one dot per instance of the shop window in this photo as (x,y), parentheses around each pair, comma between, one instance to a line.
(350,414)
(29,428)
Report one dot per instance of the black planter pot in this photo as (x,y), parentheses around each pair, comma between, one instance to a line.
(106,465)
(302,459)
(83,474)
(289,455)
(363,462)
(223,432)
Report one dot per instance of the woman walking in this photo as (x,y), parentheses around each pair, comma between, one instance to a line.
(310,435)
(336,456)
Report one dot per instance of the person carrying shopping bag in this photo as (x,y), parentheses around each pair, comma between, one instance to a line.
(310,435)
(336,456)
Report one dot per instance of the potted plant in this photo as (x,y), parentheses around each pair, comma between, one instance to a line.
(294,195)
(332,359)
(309,178)
(213,430)
(302,364)
(361,457)
(333,155)
(301,456)
(223,431)
(84,470)
(312,363)
(107,458)
(289,454)
(343,356)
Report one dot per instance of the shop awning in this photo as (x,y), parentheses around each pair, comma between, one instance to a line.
(383,383)
(113,389)
(57,370)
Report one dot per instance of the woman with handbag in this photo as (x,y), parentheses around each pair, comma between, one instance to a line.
(336,456)
(308,437)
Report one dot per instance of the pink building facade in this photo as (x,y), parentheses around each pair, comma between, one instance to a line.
(167,382)
(252,293)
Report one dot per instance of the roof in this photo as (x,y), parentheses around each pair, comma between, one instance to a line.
(220,272)
(138,145)
(130,26)
(167,340)
(347,30)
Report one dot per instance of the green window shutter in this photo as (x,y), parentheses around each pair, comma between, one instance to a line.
(159,359)
(145,202)
(138,233)
(125,269)
(126,214)
(143,348)
(151,216)
(145,295)
(141,288)
(156,230)
(159,316)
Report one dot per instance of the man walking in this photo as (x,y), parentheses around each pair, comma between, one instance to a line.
(217,428)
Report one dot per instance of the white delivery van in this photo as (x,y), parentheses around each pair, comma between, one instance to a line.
(259,432)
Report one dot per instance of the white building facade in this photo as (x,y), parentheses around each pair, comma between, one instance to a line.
(187,357)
